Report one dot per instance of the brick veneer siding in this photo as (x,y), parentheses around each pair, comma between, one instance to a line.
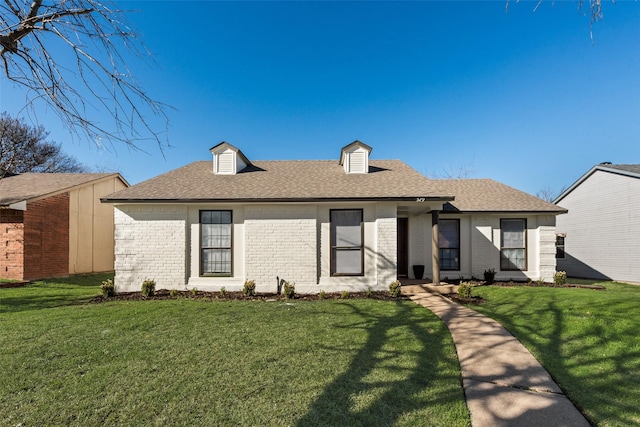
(46,238)
(151,243)
(11,240)
(281,242)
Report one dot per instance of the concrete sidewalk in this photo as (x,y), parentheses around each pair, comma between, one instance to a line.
(503,383)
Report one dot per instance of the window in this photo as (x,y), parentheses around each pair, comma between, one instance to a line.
(513,250)
(215,243)
(449,244)
(347,249)
(560,245)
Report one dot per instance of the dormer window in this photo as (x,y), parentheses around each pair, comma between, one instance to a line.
(228,160)
(355,157)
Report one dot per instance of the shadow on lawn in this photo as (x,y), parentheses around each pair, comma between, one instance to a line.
(402,394)
(601,383)
(51,293)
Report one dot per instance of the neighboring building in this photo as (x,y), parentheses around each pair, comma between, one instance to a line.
(325,225)
(53,224)
(600,236)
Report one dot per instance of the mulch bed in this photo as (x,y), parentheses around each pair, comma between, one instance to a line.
(239,296)
(13,284)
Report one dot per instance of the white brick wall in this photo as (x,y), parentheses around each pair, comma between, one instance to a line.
(387,243)
(281,241)
(150,244)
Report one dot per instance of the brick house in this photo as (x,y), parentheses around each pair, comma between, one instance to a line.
(347,224)
(53,225)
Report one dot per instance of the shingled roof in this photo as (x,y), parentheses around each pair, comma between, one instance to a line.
(487,195)
(30,186)
(292,180)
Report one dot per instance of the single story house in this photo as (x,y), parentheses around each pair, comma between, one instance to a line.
(599,237)
(347,224)
(53,224)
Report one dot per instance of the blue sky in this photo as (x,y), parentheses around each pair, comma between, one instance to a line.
(520,97)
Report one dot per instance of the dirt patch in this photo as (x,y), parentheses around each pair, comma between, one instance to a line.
(13,284)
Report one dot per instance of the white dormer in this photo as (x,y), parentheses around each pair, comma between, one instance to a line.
(227,159)
(355,157)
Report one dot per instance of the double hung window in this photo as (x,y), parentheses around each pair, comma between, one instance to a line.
(215,243)
(513,248)
(449,244)
(347,248)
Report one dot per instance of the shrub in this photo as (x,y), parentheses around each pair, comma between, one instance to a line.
(223,291)
(368,293)
(289,290)
(465,290)
(148,288)
(395,288)
(249,288)
(344,295)
(489,276)
(194,291)
(560,278)
(322,295)
(173,293)
(107,288)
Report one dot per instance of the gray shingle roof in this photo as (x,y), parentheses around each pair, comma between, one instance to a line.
(283,181)
(325,180)
(634,169)
(28,186)
(487,195)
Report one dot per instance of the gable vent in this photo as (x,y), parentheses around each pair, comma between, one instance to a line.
(225,163)
(357,162)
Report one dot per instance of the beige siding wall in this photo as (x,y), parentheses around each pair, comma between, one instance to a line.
(602,228)
(91,229)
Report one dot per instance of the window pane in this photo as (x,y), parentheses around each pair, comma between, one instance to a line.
(448,236)
(512,233)
(512,259)
(347,228)
(449,259)
(216,235)
(216,261)
(347,261)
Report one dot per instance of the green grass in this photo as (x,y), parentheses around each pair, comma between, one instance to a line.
(224,363)
(588,340)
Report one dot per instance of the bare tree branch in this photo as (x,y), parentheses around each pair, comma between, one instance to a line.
(36,40)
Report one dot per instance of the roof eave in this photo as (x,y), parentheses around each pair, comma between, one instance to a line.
(418,199)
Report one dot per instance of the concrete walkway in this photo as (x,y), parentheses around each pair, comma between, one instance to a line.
(504,384)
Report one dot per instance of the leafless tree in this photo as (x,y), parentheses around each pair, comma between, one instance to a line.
(595,10)
(71,54)
(461,171)
(24,148)
(548,194)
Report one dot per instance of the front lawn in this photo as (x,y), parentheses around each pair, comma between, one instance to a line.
(588,340)
(200,362)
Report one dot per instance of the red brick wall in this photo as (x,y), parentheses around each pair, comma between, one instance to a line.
(46,238)
(11,240)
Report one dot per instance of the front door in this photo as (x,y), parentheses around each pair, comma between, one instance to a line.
(403,247)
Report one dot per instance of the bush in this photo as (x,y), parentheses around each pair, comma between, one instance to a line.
(148,288)
(489,276)
(223,291)
(368,293)
(560,278)
(465,290)
(249,288)
(289,290)
(322,295)
(344,295)
(107,288)
(173,293)
(395,288)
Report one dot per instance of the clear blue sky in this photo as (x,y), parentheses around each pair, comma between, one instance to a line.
(521,97)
